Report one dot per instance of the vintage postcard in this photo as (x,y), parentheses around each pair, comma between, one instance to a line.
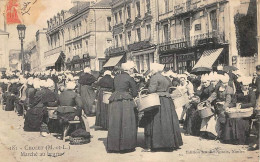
(129,80)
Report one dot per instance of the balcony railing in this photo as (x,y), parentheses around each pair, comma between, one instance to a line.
(190,6)
(114,50)
(53,51)
(139,45)
(196,40)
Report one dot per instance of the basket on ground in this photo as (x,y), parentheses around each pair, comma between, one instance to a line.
(205,110)
(147,102)
(79,140)
(106,96)
(239,113)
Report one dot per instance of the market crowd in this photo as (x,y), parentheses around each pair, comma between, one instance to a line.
(207,103)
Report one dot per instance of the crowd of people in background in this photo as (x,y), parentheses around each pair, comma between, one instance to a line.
(74,96)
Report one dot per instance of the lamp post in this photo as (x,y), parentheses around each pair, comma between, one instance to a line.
(21,32)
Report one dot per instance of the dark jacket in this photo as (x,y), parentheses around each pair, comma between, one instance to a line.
(159,84)
(71,98)
(246,101)
(125,83)
(86,79)
(106,82)
(30,92)
(205,92)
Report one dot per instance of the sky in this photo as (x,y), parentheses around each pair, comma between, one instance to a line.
(40,13)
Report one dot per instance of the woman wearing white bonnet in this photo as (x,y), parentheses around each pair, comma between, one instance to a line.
(87,92)
(162,129)
(122,130)
(106,85)
(71,102)
(70,85)
(235,128)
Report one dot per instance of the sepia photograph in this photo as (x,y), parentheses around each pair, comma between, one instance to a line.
(129,80)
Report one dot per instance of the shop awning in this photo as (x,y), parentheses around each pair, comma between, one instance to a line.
(208,58)
(51,60)
(113,61)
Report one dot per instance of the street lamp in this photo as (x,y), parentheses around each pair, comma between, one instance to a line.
(21,32)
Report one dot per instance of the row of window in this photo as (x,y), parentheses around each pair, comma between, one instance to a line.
(186,26)
(76,29)
(137,5)
(138,36)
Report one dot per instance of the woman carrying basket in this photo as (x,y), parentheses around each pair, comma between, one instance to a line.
(106,83)
(162,129)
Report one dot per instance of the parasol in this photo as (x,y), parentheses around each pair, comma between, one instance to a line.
(230,68)
(201,69)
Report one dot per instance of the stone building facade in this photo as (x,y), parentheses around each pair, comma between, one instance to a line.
(78,37)
(134,33)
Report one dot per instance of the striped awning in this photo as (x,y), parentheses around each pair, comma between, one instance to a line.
(208,58)
(113,61)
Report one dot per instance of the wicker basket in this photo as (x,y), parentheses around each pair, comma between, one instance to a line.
(52,112)
(239,113)
(204,110)
(79,140)
(106,96)
(148,101)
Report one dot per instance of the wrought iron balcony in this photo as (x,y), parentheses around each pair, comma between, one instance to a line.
(139,45)
(196,40)
(114,50)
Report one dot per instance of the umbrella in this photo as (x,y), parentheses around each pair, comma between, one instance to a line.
(201,69)
(230,68)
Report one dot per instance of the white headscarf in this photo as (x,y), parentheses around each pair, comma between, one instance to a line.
(49,83)
(155,67)
(87,70)
(128,65)
(107,72)
(71,85)
(36,83)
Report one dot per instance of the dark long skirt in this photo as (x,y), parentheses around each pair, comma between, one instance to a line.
(235,130)
(102,112)
(34,118)
(162,130)
(193,121)
(122,132)
(10,103)
(88,97)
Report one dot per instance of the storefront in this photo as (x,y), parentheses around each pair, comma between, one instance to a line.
(56,61)
(143,59)
(114,61)
(142,53)
(114,58)
(180,58)
(78,64)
